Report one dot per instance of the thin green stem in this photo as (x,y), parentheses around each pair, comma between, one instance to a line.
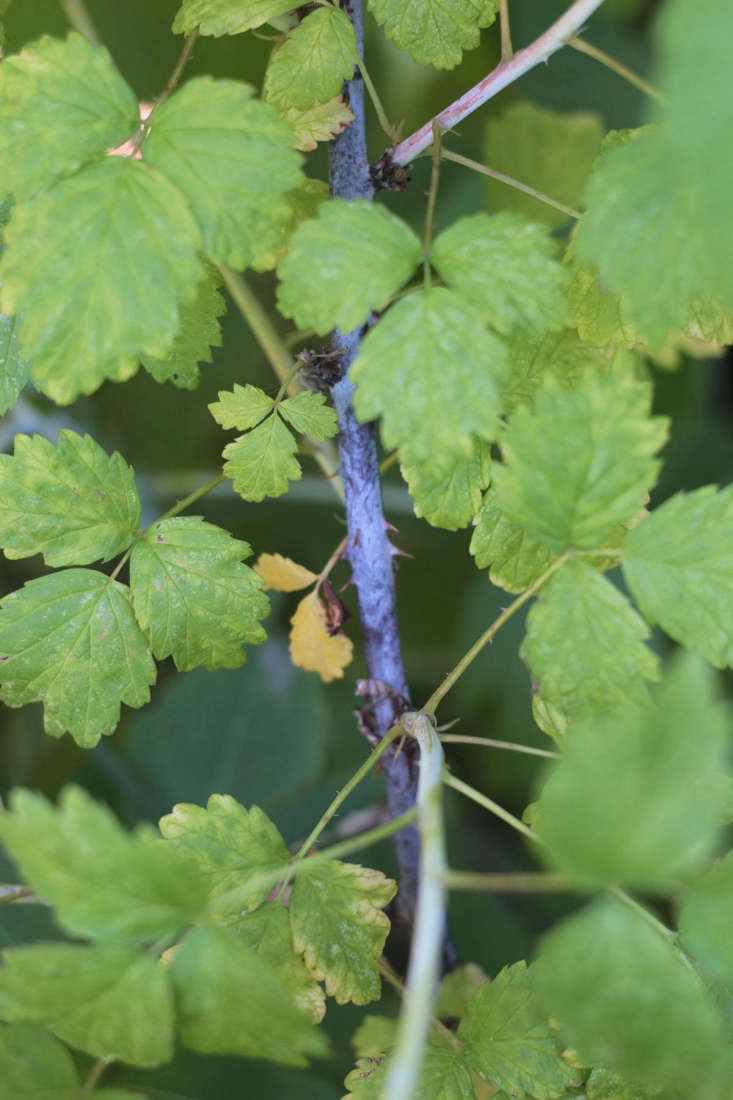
(376,102)
(488,635)
(180,65)
(488,804)
(643,912)
(92,1079)
(615,66)
(123,561)
(507,51)
(521,882)
(361,840)
(79,18)
(432,200)
(388,462)
(332,561)
(491,743)
(476,166)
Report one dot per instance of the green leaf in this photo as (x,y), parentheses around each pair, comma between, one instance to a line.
(513,558)
(193,596)
(70,640)
(456,991)
(88,311)
(506,266)
(229,1002)
(574,496)
(362,254)
(229,844)
(639,793)
(219,17)
(509,1042)
(233,159)
(241,408)
(585,644)
(603,1084)
(435,32)
(705,920)
(678,564)
(200,331)
(444,1075)
(316,58)
(267,933)
(309,415)
(104,882)
(321,122)
(439,411)
(374,1036)
(536,359)
(626,999)
(303,203)
(62,104)
(73,503)
(108,1000)
(261,463)
(551,151)
(339,927)
(14,371)
(35,1066)
(450,497)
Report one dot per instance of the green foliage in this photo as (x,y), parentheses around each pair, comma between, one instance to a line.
(35,1065)
(513,558)
(705,911)
(436,32)
(199,333)
(315,60)
(226,16)
(267,933)
(449,498)
(14,371)
(362,253)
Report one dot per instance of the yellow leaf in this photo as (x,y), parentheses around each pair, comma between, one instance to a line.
(312,647)
(283,574)
(321,122)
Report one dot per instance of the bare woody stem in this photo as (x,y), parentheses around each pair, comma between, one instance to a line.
(502,76)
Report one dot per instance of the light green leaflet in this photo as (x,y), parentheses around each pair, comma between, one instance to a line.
(338,924)
(232,157)
(104,882)
(241,408)
(506,266)
(100,267)
(229,844)
(229,1001)
(513,558)
(267,933)
(436,32)
(574,496)
(309,414)
(70,640)
(444,1075)
(636,799)
(219,17)
(705,919)
(314,61)
(109,1000)
(535,359)
(375,1035)
(200,331)
(451,497)
(509,1042)
(321,122)
(261,463)
(62,104)
(192,595)
(362,255)
(628,1001)
(72,503)
(35,1066)
(585,644)
(456,991)
(678,565)
(546,149)
(14,371)
(406,354)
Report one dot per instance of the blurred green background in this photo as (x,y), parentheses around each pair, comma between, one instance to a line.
(269,733)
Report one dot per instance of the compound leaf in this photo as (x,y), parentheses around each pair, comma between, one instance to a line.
(636,798)
(440,410)
(229,844)
(574,496)
(509,1041)
(193,596)
(62,104)
(241,408)
(14,370)
(513,558)
(321,122)
(309,414)
(217,17)
(73,503)
(506,266)
(261,463)
(449,498)
(678,564)
(230,1002)
(363,254)
(200,331)
(35,1066)
(233,158)
(585,644)
(435,32)
(104,882)
(313,646)
(339,927)
(267,933)
(705,919)
(71,641)
(99,268)
(108,1000)
(314,61)
(283,574)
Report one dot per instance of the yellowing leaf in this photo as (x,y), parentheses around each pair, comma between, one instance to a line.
(321,122)
(312,647)
(283,574)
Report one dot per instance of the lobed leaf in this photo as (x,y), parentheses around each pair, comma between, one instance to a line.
(513,558)
(313,646)
(261,463)
(200,331)
(14,370)
(316,58)
(450,498)
(435,32)
(444,1075)
(309,414)
(217,17)
(267,933)
(283,574)
(457,990)
(321,122)
(705,919)
(242,408)
(534,360)
(35,1066)
(72,503)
